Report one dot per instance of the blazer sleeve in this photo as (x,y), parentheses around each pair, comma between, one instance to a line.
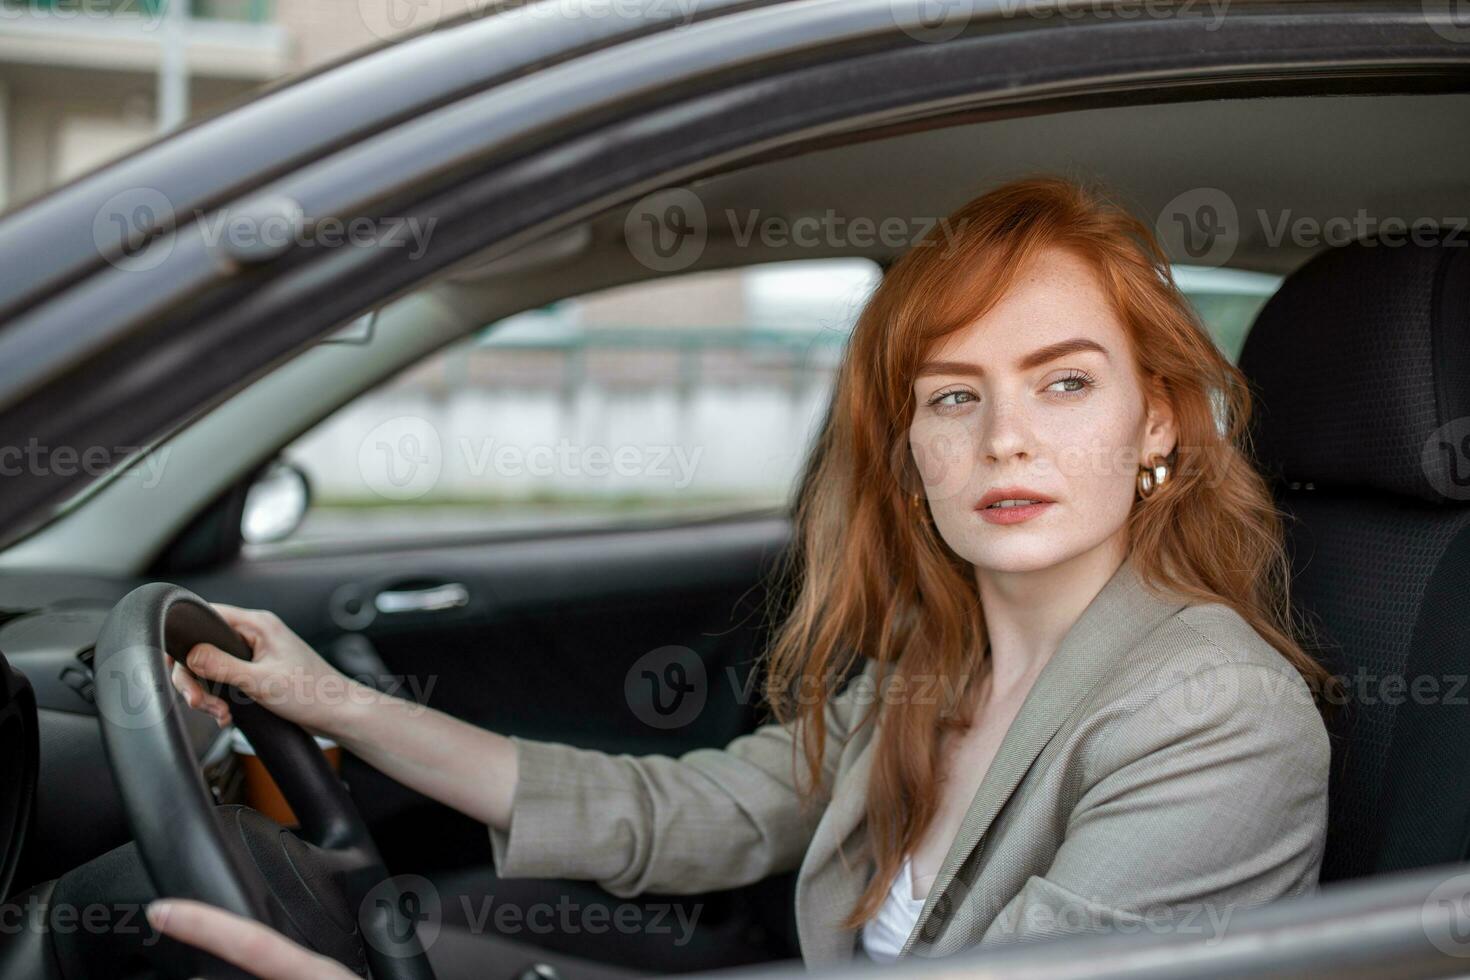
(710,819)
(1214,798)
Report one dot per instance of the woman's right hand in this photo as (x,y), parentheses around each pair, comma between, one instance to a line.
(459,764)
(286,675)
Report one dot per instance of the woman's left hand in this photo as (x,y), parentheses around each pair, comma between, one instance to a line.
(255,948)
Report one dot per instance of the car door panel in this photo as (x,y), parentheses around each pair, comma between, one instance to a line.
(560,637)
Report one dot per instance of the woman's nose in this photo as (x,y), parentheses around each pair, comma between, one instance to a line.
(1005,432)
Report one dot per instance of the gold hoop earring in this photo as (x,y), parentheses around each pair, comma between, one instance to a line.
(918,508)
(1153,476)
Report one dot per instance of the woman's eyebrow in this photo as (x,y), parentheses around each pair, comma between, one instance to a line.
(1036,358)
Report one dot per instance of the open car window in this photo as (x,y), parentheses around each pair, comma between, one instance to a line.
(681,398)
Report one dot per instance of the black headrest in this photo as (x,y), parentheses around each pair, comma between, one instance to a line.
(1361,368)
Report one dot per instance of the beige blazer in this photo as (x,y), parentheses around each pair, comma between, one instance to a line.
(1167,768)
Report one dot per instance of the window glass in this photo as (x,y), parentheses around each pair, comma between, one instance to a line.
(1227,301)
(683,397)
(686,396)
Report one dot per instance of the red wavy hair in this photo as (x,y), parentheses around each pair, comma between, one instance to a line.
(869,579)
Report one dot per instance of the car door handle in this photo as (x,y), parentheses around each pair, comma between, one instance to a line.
(434,598)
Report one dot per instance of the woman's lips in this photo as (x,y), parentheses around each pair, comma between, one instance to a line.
(1013,515)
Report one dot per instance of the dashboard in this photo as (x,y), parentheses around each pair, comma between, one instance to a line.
(49,624)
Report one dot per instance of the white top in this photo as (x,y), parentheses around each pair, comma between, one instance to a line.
(885,933)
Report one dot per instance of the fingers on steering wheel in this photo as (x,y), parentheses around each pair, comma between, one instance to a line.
(210,662)
(194,693)
(251,624)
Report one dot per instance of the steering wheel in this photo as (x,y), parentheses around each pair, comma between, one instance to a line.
(324,885)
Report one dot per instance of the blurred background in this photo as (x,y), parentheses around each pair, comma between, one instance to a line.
(82,81)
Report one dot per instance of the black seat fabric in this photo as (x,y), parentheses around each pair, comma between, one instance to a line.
(1361,369)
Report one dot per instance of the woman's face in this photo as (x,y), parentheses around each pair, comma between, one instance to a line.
(1041,395)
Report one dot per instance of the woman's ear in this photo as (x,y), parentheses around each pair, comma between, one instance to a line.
(1160,431)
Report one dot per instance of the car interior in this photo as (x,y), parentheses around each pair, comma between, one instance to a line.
(1360,356)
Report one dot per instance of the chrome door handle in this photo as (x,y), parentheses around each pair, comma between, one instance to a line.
(435,598)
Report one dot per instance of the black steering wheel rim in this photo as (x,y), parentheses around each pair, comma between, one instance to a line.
(172,814)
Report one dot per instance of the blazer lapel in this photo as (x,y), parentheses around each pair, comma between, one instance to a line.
(827,887)
(1119,616)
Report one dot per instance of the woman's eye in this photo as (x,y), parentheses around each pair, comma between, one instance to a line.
(950,399)
(1072,384)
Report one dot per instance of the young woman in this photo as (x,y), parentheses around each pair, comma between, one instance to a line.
(1039,676)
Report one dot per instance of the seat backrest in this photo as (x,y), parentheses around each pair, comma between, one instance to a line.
(1360,365)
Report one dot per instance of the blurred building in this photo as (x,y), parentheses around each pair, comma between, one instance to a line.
(80,79)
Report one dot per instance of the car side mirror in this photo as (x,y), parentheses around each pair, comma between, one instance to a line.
(275,504)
